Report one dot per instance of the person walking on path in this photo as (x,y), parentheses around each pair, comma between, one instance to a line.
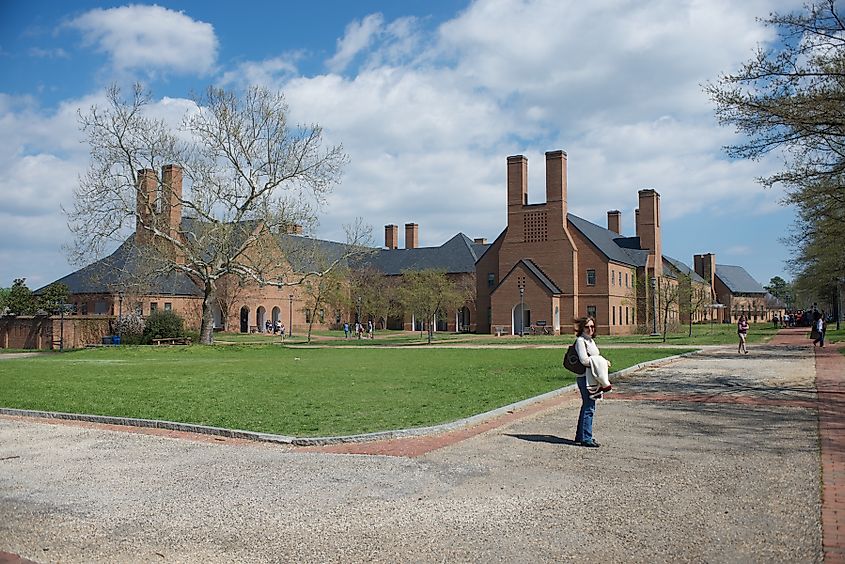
(742,331)
(586,347)
(818,330)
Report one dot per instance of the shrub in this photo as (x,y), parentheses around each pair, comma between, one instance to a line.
(130,327)
(163,325)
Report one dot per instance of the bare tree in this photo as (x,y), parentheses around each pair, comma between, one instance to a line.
(372,294)
(319,292)
(228,292)
(427,293)
(252,176)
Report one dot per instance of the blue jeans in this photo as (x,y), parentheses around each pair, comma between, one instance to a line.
(584,432)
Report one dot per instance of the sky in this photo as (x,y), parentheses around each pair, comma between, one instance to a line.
(427,98)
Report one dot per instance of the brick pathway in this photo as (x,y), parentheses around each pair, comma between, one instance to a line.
(830,384)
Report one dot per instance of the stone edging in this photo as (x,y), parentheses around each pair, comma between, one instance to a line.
(317,441)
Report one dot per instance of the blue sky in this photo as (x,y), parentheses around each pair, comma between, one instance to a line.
(428,99)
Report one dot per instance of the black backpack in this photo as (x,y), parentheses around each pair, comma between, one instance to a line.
(571,361)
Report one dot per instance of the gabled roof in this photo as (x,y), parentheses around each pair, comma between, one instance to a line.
(624,250)
(738,280)
(684,269)
(122,271)
(529,265)
(457,255)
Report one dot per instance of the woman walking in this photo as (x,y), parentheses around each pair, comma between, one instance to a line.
(588,354)
(742,331)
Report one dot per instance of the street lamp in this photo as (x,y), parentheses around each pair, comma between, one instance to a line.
(290,316)
(654,332)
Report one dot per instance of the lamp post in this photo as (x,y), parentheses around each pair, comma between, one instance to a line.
(654,332)
(290,316)
(521,309)
(120,315)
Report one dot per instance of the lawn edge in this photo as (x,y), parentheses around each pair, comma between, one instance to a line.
(319,441)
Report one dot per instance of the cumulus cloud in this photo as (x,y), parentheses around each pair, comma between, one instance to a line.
(359,35)
(150,38)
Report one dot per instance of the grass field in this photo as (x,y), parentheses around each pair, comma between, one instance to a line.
(716,334)
(302,392)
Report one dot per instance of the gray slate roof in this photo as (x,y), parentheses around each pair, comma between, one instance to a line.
(624,250)
(120,272)
(683,269)
(457,255)
(738,280)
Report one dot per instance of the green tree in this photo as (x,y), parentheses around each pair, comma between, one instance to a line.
(21,300)
(428,293)
(791,99)
(781,289)
(53,297)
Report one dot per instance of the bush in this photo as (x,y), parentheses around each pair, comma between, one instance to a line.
(163,325)
(130,327)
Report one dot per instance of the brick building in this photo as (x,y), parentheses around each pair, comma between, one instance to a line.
(544,269)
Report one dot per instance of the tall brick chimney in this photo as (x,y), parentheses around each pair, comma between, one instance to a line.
(517,181)
(171,197)
(412,235)
(556,177)
(145,204)
(614,221)
(649,227)
(637,221)
(391,236)
(705,266)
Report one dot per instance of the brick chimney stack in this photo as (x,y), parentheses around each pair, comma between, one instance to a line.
(145,204)
(412,235)
(648,227)
(637,221)
(171,198)
(391,236)
(614,221)
(705,266)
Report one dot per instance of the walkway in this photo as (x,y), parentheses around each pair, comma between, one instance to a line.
(711,458)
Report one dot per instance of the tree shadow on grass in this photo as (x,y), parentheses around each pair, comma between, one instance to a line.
(551,439)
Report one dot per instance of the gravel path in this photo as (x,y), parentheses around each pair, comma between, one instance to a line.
(731,479)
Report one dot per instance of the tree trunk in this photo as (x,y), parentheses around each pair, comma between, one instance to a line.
(207,327)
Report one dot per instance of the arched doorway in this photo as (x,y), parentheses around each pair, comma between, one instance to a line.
(244,319)
(217,313)
(276,314)
(259,318)
(521,318)
(463,320)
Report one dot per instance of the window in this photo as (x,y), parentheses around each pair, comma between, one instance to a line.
(591,277)
(613,310)
(307,316)
(626,279)
(627,322)
(620,315)
(153,306)
(491,279)
(168,306)
(620,277)
(489,316)
(613,278)
(322,316)
(591,311)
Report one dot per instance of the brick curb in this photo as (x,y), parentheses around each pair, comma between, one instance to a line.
(320,441)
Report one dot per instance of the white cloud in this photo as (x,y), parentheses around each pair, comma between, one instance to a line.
(268,72)
(150,38)
(359,35)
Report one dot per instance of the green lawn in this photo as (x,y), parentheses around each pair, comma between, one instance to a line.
(302,392)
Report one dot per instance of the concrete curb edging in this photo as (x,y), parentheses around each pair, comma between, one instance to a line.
(320,441)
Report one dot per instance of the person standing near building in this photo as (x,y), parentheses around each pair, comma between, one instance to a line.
(742,332)
(585,346)
(345,329)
